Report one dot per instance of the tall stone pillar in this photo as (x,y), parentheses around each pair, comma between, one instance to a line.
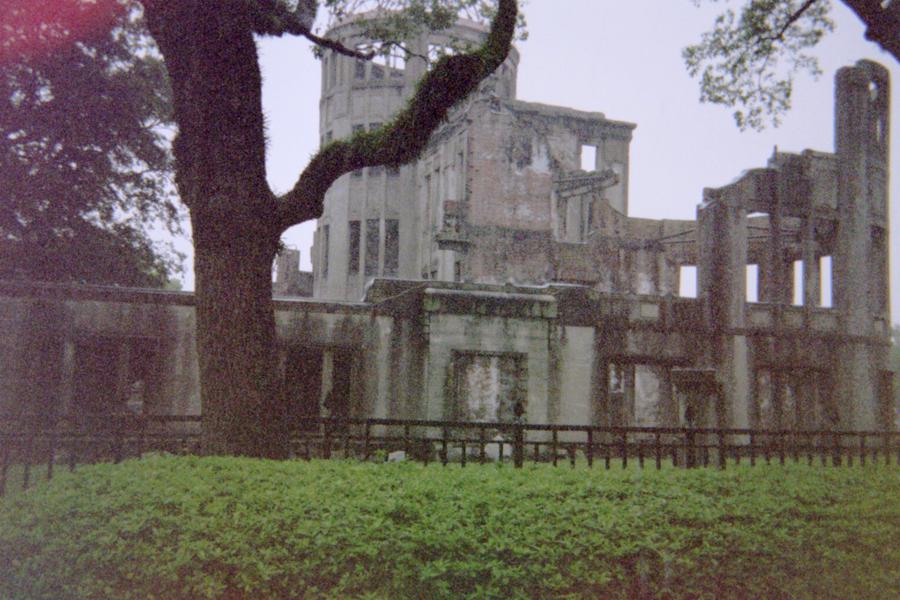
(776,274)
(812,290)
(860,261)
(722,284)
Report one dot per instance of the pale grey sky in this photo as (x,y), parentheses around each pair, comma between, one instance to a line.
(622,59)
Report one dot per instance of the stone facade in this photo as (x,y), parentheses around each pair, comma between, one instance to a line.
(502,269)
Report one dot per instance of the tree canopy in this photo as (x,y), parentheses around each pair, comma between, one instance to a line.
(85,163)
(749,58)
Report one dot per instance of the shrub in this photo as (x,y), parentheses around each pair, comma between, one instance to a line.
(188,527)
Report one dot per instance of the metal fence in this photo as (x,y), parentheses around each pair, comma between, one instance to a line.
(37,449)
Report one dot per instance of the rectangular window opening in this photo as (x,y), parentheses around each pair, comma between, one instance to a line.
(354,248)
(620,394)
(489,387)
(687,281)
(436,52)
(391,246)
(752,283)
(827,299)
(325,250)
(372,241)
(333,62)
(588,158)
(797,300)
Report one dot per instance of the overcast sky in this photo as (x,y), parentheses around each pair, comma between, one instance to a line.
(622,59)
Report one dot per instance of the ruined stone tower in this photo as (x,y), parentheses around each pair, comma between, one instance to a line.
(376,222)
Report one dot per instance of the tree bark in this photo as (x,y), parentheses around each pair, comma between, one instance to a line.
(212,62)
(243,410)
(882,22)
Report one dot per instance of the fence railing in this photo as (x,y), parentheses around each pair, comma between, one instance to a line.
(68,441)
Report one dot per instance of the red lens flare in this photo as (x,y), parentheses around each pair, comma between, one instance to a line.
(30,29)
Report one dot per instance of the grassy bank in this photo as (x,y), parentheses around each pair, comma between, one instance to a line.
(167,527)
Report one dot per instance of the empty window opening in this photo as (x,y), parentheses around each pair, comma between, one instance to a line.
(333,62)
(620,394)
(489,387)
(797,300)
(115,375)
(393,57)
(646,403)
(562,218)
(827,299)
(396,60)
(325,251)
(338,399)
(436,52)
(360,72)
(752,283)
(687,281)
(372,241)
(354,248)
(391,246)
(588,158)
(303,384)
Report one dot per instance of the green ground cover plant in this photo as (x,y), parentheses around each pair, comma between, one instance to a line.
(189,527)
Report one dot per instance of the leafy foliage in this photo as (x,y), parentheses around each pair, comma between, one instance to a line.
(401,20)
(748,59)
(85,164)
(226,528)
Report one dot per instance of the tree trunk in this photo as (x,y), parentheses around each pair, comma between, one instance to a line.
(220,153)
(237,222)
(242,403)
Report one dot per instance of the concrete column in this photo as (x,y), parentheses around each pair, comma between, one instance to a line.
(777,278)
(668,403)
(861,139)
(601,405)
(722,282)
(812,291)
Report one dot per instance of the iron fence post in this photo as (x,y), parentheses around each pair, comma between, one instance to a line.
(590,448)
(721,449)
(691,457)
(518,443)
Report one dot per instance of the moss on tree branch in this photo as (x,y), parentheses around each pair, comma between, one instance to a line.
(402,140)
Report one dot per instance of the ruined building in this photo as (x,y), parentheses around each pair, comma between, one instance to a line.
(502,268)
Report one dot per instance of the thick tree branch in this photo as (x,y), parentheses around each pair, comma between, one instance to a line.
(451,80)
(882,22)
(273,18)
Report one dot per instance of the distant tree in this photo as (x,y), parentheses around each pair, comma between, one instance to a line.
(85,166)
(237,221)
(748,59)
